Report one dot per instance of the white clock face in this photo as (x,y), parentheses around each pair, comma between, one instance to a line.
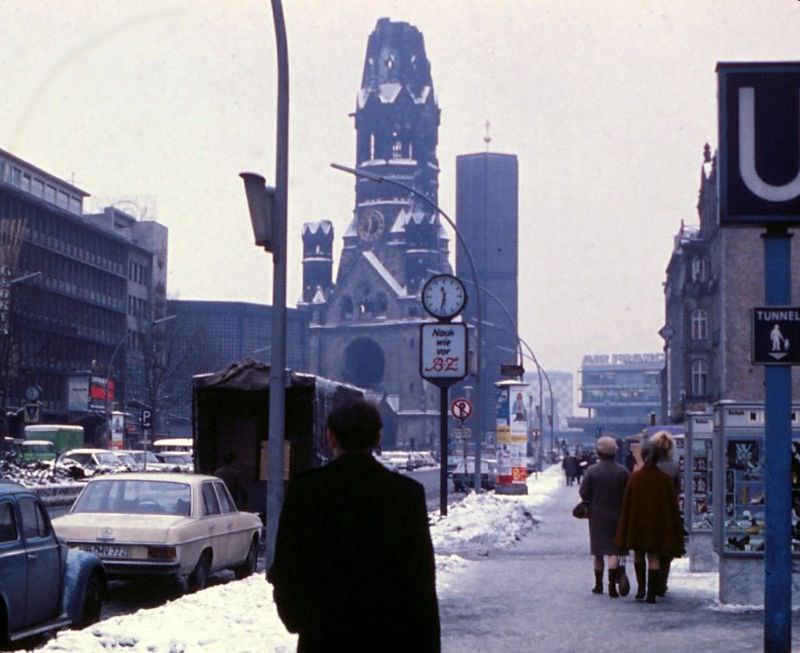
(443,296)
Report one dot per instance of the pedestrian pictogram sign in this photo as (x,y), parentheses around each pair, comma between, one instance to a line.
(32,412)
(776,335)
(461,408)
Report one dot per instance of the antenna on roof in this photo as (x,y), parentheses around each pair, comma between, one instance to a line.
(487,138)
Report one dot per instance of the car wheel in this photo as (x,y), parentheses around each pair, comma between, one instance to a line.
(92,601)
(248,567)
(198,579)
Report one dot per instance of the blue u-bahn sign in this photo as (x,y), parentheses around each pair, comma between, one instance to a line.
(759,143)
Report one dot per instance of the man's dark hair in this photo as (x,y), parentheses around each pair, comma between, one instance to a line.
(229,457)
(356,423)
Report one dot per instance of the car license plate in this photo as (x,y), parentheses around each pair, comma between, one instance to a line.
(106,550)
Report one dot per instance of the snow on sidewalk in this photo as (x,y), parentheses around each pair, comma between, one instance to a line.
(240,616)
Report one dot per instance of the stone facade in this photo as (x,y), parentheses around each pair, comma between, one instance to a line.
(719,272)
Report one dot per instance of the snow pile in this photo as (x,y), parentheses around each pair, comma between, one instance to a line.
(240,616)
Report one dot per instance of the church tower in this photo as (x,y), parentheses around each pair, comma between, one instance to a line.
(397,131)
(364,328)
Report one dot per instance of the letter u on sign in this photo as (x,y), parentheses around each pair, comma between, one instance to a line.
(747,153)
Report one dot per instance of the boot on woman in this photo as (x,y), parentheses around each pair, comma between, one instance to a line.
(598,582)
(641,579)
(612,583)
(653,584)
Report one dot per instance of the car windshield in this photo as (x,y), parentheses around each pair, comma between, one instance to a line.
(178,458)
(106,458)
(135,496)
(140,456)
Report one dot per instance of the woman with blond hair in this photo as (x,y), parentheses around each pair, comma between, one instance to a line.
(650,523)
(667,464)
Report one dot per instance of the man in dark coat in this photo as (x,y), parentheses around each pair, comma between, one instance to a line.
(233,479)
(354,567)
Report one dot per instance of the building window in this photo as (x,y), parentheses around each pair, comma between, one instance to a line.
(699,377)
(699,324)
(699,268)
(397,150)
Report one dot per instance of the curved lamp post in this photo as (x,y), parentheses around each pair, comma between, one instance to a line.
(268,214)
(539,369)
(358,172)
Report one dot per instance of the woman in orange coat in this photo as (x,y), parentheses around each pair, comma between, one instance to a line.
(650,523)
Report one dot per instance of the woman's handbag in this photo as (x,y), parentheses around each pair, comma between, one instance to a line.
(622,580)
(581,511)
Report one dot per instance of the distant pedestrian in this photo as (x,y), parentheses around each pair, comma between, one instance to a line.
(233,479)
(650,523)
(570,467)
(354,567)
(603,487)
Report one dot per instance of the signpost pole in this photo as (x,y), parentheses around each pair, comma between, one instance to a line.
(778,452)
(443,449)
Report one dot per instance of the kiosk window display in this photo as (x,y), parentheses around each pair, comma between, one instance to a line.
(740,447)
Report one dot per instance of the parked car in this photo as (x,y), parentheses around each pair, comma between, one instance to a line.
(93,461)
(128,461)
(146,461)
(44,585)
(464,475)
(179,526)
(177,461)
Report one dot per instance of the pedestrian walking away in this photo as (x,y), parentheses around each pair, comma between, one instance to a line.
(603,487)
(354,567)
(650,523)
(667,464)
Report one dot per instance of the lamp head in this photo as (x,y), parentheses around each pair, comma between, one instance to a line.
(261,204)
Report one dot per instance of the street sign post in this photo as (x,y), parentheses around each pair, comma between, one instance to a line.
(759,185)
(461,408)
(443,353)
(32,412)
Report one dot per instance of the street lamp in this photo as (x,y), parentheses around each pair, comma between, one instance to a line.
(358,172)
(268,216)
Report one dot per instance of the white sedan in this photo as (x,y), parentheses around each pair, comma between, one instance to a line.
(170,525)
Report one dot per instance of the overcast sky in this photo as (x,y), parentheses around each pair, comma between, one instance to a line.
(606,104)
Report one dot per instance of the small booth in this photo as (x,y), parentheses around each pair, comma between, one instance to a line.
(738,490)
(698,512)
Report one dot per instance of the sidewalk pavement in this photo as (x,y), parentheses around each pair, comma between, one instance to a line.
(535,596)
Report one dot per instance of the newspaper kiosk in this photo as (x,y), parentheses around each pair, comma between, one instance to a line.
(738,490)
(698,512)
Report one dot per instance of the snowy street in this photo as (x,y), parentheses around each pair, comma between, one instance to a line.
(513,574)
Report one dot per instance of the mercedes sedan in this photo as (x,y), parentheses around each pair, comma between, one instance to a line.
(183,526)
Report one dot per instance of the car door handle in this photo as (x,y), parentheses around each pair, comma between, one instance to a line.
(33,556)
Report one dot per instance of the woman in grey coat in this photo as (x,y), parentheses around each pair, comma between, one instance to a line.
(602,487)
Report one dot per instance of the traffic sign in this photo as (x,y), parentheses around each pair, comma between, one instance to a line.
(147,418)
(759,158)
(461,433)
(443,353)
(461,408)
(776,335)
